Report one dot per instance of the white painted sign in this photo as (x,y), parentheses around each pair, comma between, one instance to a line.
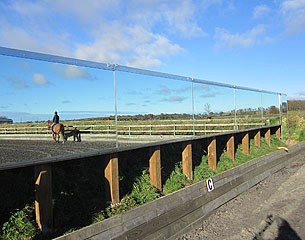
(210,184)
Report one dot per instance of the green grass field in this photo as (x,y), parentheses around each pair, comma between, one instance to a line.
(200,126)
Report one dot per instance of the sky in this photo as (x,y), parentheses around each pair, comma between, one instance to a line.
(250,43)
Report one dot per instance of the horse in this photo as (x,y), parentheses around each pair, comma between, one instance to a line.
(58,130)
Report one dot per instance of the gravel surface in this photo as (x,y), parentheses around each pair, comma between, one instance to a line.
(25,150)
(273,209)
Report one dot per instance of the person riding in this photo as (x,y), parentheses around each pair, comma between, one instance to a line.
(55,119)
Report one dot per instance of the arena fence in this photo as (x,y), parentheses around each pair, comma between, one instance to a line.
(179,213)
(81,89)
(115,93)
(214,145)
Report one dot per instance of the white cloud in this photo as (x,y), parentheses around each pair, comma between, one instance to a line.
(293,12)
(181,19)
(29,9)
(260,11)
(75,72)
(128,33)
(226,39)
(156,47)
(208,95)
(177,17)
(134,33)
(288,5)
(39,79)
(164,90)
(174,99)
(29,38)
(143,62)
(132,46)
(88,12)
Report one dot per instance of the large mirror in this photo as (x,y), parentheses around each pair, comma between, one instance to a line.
(33,90)
(152,108)
(213,109)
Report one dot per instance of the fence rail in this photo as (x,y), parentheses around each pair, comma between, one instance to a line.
(145,129)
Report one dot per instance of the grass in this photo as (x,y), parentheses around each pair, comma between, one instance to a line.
(225,163)
(203,171)
(143,192)
(21,225)
(176,181)
(126,127)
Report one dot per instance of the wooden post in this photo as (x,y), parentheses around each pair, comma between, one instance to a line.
(212,155)
(155,168)
(267,137)
(257,138)
(245,144)
(278,133)
(43,198)
(112,176)
(231,148)
(187,165)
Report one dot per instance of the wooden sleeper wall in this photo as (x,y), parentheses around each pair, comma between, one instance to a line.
(43,173)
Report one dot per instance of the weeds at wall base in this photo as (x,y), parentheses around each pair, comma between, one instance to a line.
(142,191)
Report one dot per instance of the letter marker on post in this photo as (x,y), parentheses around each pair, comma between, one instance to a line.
(210,184)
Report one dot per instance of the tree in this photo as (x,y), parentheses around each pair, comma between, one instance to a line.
(207,108)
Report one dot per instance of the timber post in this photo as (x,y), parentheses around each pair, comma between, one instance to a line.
(187,165)
(43,198)
(212,154)
(112,176)
(257,138)
(155,167)
(278,133)
(231,147)
(245,143)
(267,137)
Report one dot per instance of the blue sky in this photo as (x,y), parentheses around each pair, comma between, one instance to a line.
(256,44)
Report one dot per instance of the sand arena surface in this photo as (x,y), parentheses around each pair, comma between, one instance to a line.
(25,150)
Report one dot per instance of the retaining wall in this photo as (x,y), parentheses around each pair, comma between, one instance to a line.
(175,214)
(151,154)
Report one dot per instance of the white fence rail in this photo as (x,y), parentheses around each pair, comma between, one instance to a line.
(133,129)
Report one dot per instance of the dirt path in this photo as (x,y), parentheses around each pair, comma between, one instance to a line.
(273,209)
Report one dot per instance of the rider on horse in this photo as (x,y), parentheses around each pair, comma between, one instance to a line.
(58,129)
(55,120)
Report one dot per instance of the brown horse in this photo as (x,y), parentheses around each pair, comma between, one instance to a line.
(57,130)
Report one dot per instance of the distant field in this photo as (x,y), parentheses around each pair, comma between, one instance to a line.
(148,127)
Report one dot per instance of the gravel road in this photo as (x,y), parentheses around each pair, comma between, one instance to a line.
(273,209)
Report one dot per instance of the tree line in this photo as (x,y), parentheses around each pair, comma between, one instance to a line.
(295,105)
